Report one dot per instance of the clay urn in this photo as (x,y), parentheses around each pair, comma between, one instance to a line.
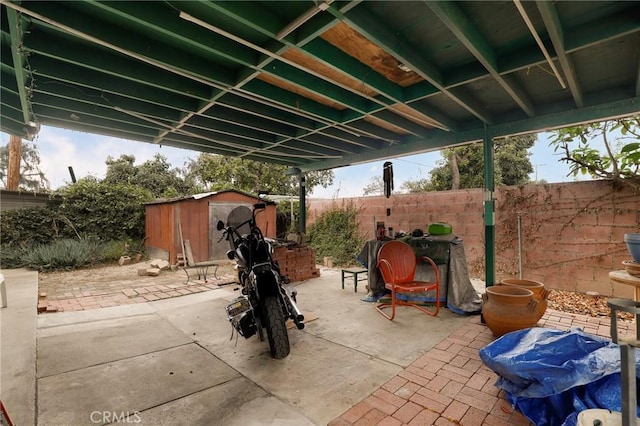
(506,309)
(540,293)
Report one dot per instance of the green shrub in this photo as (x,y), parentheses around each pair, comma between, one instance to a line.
(106,211)
(28,226)
(113,250)
(86,208)
(63,254)
(335,233)
(11,256)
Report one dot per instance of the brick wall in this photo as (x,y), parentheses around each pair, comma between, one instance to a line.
(572,233)
(299,263)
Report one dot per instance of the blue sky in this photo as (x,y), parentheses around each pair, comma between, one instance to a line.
(87,154)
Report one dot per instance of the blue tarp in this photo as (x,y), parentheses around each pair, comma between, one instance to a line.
(551,375)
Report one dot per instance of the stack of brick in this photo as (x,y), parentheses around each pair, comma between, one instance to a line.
(298,262)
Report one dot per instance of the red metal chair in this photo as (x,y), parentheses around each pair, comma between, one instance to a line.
(397,263)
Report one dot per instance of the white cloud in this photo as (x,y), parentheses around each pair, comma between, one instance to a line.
(88,153)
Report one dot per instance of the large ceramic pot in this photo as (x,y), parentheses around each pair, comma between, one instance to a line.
(633,245)
(540,293)
(507,309)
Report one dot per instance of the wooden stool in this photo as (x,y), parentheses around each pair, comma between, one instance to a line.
(355,273)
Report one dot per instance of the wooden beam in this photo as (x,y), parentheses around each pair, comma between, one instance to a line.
(13,168)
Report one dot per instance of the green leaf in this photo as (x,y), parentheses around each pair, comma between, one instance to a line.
(630,147)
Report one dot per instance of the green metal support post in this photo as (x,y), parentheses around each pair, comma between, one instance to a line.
(489,211)
(302,222)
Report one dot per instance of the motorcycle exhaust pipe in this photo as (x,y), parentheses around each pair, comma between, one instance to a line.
(296,314)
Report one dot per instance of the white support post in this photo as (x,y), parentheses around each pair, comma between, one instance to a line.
(3,291)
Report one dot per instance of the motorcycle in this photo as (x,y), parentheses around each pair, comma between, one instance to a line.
(265,302)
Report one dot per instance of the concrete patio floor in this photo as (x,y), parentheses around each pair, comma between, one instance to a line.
(171,361)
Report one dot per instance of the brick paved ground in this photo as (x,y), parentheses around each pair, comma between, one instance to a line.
(104,287)
(449,385)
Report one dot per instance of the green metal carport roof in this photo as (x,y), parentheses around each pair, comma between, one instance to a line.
(316,84)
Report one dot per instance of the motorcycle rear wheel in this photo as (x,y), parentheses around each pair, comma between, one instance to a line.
(276,328)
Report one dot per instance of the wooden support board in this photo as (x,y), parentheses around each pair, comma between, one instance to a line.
(188,253)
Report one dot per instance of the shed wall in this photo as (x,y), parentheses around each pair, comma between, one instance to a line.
(165,223)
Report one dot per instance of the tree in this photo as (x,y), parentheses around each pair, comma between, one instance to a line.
(463,167)
(153,175)
(216,172)
(374,187)
(620,160)
(420,185)
(31,177)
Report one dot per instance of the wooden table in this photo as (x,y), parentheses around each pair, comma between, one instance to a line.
(623,277)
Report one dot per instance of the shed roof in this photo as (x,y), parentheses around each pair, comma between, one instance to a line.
(204,195)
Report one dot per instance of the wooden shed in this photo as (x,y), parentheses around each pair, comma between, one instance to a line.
(168,222)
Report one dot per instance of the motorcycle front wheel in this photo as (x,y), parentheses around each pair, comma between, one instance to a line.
(276,328)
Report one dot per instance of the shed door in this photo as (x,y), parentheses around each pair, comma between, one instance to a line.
(219,211)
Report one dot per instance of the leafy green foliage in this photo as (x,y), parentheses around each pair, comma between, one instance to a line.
(29,226)
(216,173)
(155,175)
(284,223)
(420,185)
(86,208)
(335,233)
(620,160)
(107,211)
(31,177)
(511,159)
(112,250)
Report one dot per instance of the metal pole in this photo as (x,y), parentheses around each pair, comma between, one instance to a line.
(302,225)
(489,211)
(628,382)
(520,244)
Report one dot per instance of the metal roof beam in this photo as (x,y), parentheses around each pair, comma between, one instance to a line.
(335,58)
(19,61)
(575,39)
(141,56)
(105,83)
(11,112)
(121,67)
(317,84)
(108,85)
(440,139)
(296,74)
(556,34)
(55,94)
(458,23)
(369,26)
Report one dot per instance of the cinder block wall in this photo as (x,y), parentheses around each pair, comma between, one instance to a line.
(571,233)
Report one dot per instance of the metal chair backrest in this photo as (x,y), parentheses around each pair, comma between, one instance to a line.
(401,260)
